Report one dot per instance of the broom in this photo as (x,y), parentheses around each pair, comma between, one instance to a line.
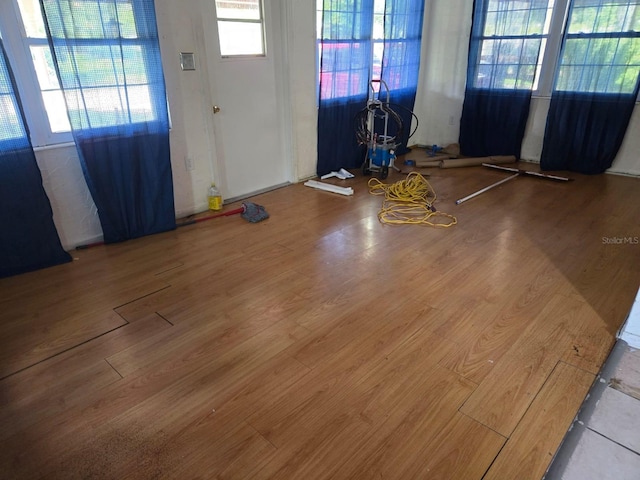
(252,212)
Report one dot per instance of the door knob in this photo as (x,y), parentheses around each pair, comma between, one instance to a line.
(216,109)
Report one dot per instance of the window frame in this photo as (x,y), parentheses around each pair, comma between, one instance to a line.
(260,21)
(18,47)
(552,49)
(542,78)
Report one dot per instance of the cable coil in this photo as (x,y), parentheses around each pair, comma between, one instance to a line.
(364,135)
(409,201)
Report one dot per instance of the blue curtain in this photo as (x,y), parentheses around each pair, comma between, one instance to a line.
(107,57)
(596,87)
(28,238)
(345,65)
(401,60)
(503,53)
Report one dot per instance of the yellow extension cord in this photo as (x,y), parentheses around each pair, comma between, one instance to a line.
(409,201)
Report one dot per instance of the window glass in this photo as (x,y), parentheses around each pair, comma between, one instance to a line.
(56,111)
(11,127)
(238,9)
(32,18)
(345,45)
(237,38)
(52,97)
(604,16)
(378,40)
(94,19)
(240,27)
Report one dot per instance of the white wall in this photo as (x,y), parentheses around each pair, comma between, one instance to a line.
(74,212)
(180,27)
(301,40)
(445,46)
(441,92)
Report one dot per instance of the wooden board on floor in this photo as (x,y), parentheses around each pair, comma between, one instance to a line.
(529,451)
(502,399)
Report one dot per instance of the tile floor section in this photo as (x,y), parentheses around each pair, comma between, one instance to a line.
(604,441)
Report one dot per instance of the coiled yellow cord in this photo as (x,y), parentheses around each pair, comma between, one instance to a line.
(409,201)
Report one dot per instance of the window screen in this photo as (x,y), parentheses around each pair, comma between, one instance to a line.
(601,52)
(510,43)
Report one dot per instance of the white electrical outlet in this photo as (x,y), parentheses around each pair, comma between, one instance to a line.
(188,164)
(451,120)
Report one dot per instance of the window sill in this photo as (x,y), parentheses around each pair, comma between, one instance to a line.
(54,146)
(548,97)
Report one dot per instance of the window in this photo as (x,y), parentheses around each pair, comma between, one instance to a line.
(36,39)
(30,57)
(347,50)
(115,92)
(240,27)
(513,39)
(105,55)
(602,48)
(344,34)
(11,129)
(521,40)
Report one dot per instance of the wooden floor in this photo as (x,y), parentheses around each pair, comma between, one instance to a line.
(321,344)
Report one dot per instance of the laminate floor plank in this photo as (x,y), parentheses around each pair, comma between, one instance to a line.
(64,377)
(399,442)
(479,354)
(327,387)
(542,428)
(462,449)
(229,447)
(524,369)
(169,396)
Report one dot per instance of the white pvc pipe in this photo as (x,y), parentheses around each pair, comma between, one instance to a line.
(469,197)
(329,188)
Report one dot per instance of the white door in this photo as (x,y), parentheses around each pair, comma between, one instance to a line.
(248,96)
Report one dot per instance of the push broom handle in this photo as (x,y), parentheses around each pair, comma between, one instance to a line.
(209,217)
(223,214)
(516,173)
(527,172)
